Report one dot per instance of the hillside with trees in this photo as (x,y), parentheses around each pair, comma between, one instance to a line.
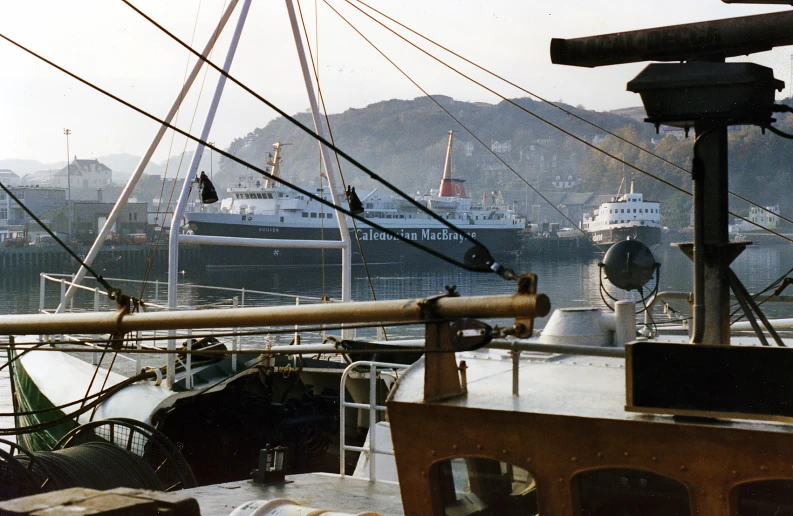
(405,140)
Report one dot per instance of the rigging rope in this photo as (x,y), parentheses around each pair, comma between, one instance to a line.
(291,119)
(154,248)
(467,130)
(550,103)
(95,465)
(491,265)
(38,427)
(548,122)
(315,67)
(112,293)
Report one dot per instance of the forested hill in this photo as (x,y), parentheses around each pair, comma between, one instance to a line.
(405,140)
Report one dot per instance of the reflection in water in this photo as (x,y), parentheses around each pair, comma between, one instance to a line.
(568,283)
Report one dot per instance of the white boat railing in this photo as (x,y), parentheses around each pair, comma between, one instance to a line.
(237,299)
(65,282)
(665,296)
(374,370)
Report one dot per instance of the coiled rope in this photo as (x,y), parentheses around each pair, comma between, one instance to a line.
(95,465)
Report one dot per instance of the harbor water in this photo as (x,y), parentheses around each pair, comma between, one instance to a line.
(567,282)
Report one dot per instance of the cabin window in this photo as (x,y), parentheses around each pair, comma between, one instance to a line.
(765,497)
(305,214)
(611,491)
(483,486)
(622,210)
(313,215)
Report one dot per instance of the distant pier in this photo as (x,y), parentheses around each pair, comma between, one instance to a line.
(116,258)
(558,247)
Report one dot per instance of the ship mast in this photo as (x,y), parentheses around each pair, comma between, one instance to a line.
(447,189)
(275,163)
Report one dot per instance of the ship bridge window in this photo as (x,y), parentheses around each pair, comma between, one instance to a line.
(765,497)
(610,491)
(305,214)
(313,215)
(483,486)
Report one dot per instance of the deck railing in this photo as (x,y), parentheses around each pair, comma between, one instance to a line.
(374,373)
(239,298)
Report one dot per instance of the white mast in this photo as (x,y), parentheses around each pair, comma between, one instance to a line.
(181,203)
(127,191)
(346,258)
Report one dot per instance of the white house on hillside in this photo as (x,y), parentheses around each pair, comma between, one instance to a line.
(88,176)
(9,178)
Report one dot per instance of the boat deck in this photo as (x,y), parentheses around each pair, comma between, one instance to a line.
(577,386)
(317,490)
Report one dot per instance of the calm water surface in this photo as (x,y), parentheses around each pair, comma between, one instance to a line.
(568,283)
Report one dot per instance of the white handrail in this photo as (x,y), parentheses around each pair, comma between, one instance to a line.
(372,407)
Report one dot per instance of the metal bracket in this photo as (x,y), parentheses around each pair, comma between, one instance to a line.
(124,307)
(524,326)
(441,373)
(427,305)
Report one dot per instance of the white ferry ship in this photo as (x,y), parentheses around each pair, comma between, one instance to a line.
(627,216)
(260,208)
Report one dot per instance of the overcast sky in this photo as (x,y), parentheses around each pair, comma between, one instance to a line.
(108,43)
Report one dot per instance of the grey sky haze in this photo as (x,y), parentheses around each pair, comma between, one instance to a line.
(108,43)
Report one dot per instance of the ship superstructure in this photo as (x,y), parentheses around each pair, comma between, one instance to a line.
(257,208)
(627,216)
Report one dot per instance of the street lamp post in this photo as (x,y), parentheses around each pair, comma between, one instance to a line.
(67,132)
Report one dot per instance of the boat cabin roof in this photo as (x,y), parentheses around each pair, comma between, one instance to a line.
(567,445)
(562,385)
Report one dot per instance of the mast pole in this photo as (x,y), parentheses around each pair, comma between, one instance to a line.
(130,186)
(67,132)
(346,257)
(181,203)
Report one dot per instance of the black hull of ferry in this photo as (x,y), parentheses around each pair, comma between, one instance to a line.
(649,236)
(377,247)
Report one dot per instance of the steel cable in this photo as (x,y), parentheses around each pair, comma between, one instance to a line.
(493,267)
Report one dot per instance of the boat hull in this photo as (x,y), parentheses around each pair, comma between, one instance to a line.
(647,235)
(377,247)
